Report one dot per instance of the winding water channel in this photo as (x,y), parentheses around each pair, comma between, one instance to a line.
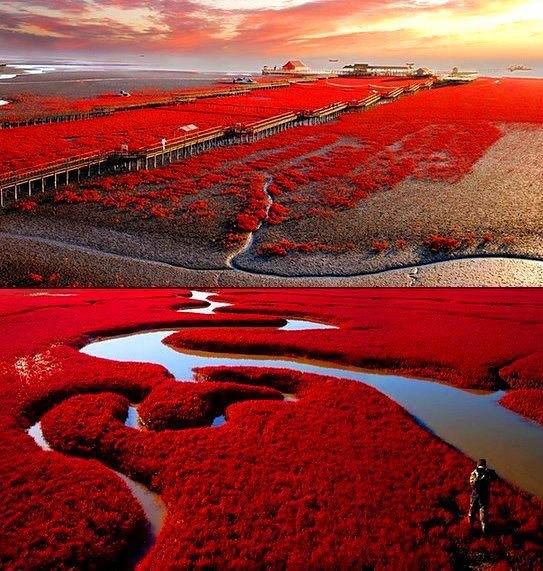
(232,260)
(471,421)
(153,507)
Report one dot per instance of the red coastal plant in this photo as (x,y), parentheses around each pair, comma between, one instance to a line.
(528,402)
(293,483)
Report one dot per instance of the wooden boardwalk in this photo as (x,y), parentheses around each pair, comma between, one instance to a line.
(19,185)
(188,97)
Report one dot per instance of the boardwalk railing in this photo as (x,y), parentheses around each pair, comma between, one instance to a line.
(250,132)
(173,150)
(24,184)
(188,97)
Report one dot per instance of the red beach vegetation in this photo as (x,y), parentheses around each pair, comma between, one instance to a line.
(285,483)
(316,170)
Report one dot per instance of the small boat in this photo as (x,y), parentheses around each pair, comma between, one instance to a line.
(243,79)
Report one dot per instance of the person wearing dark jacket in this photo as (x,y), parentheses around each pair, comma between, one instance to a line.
(480,480)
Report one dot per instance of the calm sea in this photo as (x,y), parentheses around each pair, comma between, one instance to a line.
(87,79)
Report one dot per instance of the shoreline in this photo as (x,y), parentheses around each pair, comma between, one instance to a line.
(95,268)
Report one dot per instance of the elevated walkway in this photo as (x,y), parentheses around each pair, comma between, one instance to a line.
(15,186)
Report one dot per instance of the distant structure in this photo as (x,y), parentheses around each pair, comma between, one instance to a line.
(292,67)
(518,67)
(368,70)
(458,76)
(295,66)
(188,128)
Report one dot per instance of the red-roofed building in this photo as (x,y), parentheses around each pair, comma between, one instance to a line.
(292,67)
(295,66)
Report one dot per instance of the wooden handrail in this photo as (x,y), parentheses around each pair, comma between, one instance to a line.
(187,97)
(44,167)
(273,119)
(182,139)
(10,178)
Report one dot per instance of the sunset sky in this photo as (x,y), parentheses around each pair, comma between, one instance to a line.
(212,33)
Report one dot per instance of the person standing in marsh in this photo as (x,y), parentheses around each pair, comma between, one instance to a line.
(480,481)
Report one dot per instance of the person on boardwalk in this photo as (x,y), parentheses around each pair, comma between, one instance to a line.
(480,480)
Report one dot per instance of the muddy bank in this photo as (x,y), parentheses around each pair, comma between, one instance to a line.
(71,265)
(79,83)
(180,242)
(493,210)
(28,261)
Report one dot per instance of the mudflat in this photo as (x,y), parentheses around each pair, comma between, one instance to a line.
(412,192)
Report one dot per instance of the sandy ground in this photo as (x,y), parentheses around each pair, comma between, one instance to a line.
(503,195)
(179,242)
(80,84)
(85,266)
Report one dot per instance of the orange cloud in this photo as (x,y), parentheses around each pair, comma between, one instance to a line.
(274,28)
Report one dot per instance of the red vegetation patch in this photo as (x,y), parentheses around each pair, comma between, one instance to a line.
(256,204)
(144,127)
(201,209)
(188,405)
(380,245)
(297,484)
(528,402)
(440,133)
(159,211)
(58,511)
(292,499)
(247,222)
(277,214)
(70,196)
(69,512)
(283,246)
(440,244)
(27,205)
(25,106)
(427,333)
(313,171)
(35,279)
(437,243)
